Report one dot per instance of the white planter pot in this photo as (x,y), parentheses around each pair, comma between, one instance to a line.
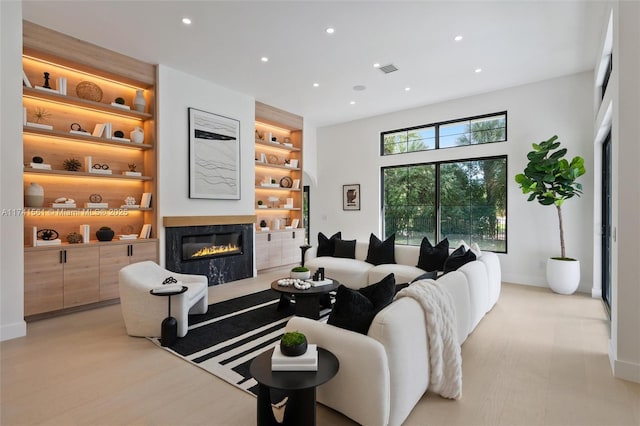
(563,276)
(300,275)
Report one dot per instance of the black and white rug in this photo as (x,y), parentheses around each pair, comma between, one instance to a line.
(225,340)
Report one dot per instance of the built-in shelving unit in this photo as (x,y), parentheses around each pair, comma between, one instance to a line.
(278,187)
(71,275)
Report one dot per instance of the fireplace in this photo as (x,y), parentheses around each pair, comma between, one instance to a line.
(199,247)
(223,252)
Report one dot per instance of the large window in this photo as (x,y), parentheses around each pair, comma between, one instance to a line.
(467,131)
(460,200)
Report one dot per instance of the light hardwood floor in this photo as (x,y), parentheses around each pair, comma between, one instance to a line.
(536,359)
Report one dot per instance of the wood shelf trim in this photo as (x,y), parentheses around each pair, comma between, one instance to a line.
(178,221)
(276,146)
(88,139)
(266,188)
(84,174)
(92,243)
(83,103)
(272,231)
(277,166)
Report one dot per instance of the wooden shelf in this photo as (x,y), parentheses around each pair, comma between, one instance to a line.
(277,146)
(267,188)
(91,243)
(276,166)
(82,138)
(278,209)
(40,210)
(67,173)
(84,103)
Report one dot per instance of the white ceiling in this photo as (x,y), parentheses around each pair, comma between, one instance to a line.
(514,42)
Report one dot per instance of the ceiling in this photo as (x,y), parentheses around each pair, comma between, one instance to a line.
(513,42)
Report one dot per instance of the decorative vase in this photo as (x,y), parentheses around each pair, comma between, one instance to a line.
(105,234)
(563,276)
(137,135)
(139,103)
(34,195)
(296,350)
(300,275)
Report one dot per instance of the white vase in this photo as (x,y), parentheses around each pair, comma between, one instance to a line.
(34,195)
(137,135)
(139,103)
(563,276)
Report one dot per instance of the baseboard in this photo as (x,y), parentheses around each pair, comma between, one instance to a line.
(596,293)
(626,370)
(13,331)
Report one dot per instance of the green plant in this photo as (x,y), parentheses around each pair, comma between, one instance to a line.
(300,269)
(293,338)
(551,179)
(71,164)
(119,101)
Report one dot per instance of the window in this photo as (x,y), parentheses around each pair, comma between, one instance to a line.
(468,131)
(460,200)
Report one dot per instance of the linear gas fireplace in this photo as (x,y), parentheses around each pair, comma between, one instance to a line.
(198,247)
(222,252)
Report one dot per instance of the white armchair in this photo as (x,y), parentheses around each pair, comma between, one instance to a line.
(143,312)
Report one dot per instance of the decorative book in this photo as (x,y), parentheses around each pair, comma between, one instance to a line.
(308,361)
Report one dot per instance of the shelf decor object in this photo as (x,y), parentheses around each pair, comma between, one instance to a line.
(88,90)
(214,156)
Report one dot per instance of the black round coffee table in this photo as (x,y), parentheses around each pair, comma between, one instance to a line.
(301,404)
(307,301)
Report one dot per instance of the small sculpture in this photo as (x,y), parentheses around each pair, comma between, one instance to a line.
(118,134)
(74,238)
(130,201)
(46,81)
(71,164)
(41,114)
(119,101)
(132,167)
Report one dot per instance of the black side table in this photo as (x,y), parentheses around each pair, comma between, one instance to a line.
(300,409)
(169,330)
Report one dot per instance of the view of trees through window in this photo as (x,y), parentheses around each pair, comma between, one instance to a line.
(461,199)
(468,131)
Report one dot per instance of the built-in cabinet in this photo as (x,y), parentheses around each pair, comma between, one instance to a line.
(98,112)
(278,187)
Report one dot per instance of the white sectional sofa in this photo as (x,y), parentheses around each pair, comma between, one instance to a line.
(356,273)
(385,373)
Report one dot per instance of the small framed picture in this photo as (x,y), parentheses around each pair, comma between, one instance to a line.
(351,197)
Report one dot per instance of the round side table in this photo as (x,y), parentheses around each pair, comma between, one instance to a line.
(169,330)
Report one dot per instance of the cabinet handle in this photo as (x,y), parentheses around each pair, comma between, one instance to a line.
(61,256)
(65,256)
(293,235)
(130,249)
(268,237)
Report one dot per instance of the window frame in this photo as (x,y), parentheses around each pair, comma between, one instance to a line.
(436,126)
(438,206)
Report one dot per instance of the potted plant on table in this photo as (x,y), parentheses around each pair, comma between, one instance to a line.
(300,273)
(293,343)
(550,179)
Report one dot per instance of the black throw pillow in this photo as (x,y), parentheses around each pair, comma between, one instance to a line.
(433,258)
(326,246)
(459,257)
(355,309)
(426,276)
(345,248)
(381,252)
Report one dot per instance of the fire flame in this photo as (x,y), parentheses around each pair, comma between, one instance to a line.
(214,250)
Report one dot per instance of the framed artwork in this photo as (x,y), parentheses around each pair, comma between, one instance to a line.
(214,156)
(351,197)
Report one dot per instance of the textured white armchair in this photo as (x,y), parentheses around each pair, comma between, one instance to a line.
(143,312)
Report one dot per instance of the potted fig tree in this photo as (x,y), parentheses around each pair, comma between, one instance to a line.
(551,180)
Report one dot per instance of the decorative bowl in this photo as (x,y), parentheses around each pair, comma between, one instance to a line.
(296,350)
(88,90)
(300,275)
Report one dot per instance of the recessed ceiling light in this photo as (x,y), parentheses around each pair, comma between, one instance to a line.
(359,87)
(352,103)
(330,30)
(406,89)
(458,38)
(478,70)
(376,65)
(186,21)
(315,85)
(264,59)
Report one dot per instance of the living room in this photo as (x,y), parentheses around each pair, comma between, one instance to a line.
(335,155)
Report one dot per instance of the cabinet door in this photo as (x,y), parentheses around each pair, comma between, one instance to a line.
(81,276)
(268,250)
(112,259)
(144,251)
(291,243)
(42,281)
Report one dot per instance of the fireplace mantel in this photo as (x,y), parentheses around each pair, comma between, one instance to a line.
(178,221)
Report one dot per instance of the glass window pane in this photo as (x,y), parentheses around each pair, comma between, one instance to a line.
(422,139)
(454,134)
(488,129)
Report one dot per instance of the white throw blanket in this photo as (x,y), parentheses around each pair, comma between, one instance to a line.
(445,356)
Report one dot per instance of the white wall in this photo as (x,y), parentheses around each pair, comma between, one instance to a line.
(177,92)
(12,323)
(349,153)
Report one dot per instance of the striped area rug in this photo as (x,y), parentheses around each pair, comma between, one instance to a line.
(225,340)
